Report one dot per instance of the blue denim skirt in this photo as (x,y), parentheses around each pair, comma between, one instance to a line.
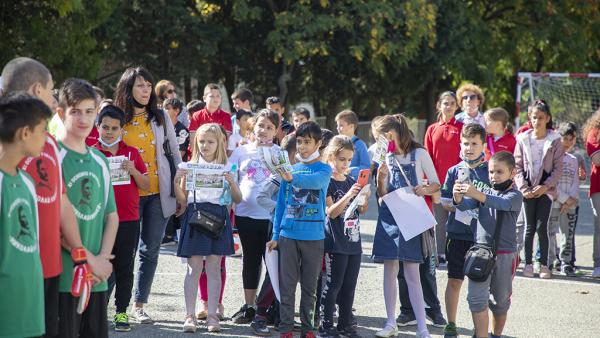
(195,243)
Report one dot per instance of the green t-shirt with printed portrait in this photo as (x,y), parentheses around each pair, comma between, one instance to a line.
(21,277)
(87,179)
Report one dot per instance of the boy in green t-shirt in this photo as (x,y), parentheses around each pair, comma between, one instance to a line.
(87,179)
(23,133)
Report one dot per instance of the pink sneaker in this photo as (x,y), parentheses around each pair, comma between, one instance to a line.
(528,270)
(545,273)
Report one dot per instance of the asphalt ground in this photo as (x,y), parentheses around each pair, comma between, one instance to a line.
(559,307)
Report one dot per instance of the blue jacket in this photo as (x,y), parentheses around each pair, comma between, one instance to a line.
(300,212)
(509,202)
(479,177)
(361,159)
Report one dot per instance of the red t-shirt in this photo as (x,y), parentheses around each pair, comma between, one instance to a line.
(49,187)
(442,141)
(92,137)
(592,146)
(203,116)
(507,142)
(127,196)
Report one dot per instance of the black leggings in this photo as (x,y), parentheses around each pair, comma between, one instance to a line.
(537,212)
(254,235)
(125,249)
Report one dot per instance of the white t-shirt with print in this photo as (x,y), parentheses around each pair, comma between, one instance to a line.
(537,153)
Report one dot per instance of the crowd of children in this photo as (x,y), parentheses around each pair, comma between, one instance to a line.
(109,196)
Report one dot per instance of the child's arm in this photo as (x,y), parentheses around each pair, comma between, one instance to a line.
(381,180)
(520,180)
(137,169)
(265,193)
(557,164)
(333,210)
(316,180)
(460,191)
(364,161)
(446,191)
(111,226)
(180,192)
(279,210)
(362,209)
(510,201)
(236,194)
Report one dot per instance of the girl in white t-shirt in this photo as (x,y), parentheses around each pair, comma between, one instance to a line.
(251,219)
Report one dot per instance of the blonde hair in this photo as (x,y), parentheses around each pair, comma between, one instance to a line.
(336,145)
(398,124)
(217,131)
(469,87)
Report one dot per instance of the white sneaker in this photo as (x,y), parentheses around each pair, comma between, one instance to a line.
(387,331)
(141,316)
(190,324)
(423,334)
(596,273)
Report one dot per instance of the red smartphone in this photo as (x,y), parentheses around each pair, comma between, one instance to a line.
(363,177)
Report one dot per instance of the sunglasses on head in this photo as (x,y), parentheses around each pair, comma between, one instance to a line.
(273,100)
(471,97)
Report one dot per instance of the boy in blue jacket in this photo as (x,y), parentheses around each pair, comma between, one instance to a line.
(460,237)
(299,229)
(503,198)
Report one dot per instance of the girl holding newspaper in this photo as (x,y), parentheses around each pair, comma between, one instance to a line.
(406,165)
(208,188)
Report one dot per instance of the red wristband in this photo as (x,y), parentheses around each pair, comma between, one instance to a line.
(78,255)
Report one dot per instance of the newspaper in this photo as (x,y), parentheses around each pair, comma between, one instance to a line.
(275,159)
(359,200)
(204,177)
(380,150)
(118,175)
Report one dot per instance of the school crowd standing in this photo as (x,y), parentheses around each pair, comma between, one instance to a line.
(108,184)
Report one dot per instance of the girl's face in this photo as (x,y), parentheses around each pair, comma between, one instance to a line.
(470,103)
(341,162)
(493,127)
(208,143)
(539,119)
(264,130)
(213,99)
(447,106)
(141,90)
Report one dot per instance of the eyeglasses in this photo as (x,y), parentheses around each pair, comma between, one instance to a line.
(171,91)
(273,100)
(470,97)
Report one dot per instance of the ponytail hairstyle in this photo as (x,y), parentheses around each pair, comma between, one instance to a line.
(397,123)
(542,105)
(438,105)
(215,130)
(336,145)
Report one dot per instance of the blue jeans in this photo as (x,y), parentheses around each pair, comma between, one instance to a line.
(153,229)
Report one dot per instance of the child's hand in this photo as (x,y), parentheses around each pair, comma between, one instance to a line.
(539,190)
(128,165)
(272,244)
(457,192)
(287,176)
(179,175)
(569,203)
(382,174)
(469,189)
(228,178)
(421,190)
(582,174)
(180,208)
(354,190)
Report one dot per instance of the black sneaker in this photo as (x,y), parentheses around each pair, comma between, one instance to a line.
(331,332)
(349,332)
(245,315)
(406,319)
(437,319)
(259,326)
(568,271)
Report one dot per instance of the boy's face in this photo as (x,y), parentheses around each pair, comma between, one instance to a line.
(173,112)
(109,129)
(306,146)
(471,147)
(568,141)
(239,104)
(142,90)
(34,139)
(493,127)
(213,99)
(345,128)
(298,119)
(244,123)
(276,107)
(79,120)
(500,172)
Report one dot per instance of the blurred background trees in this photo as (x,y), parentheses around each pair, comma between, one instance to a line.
(374,57)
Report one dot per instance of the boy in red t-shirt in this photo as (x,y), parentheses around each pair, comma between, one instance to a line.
(128,173)
(499,137)
(212,113)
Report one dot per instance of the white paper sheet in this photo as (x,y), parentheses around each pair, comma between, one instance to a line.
(118,175)
(360,200)
(410,212)
(272,263)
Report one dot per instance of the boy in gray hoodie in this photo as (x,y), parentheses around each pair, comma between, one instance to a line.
(504,198)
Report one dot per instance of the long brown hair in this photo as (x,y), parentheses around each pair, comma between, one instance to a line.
(397,123)
(124,95)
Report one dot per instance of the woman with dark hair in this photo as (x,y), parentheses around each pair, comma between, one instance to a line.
(151,131)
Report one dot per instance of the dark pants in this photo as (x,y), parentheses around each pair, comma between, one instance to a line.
(429,285)
(298,261)
(91,324)
(537,212)
(51,305)
(341,276)
(254,235)
(265,297)
(572,263)
(124,251)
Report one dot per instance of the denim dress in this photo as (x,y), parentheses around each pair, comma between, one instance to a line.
(389,244)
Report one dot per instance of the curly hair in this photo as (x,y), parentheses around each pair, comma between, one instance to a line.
(593,122)
(469,87)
